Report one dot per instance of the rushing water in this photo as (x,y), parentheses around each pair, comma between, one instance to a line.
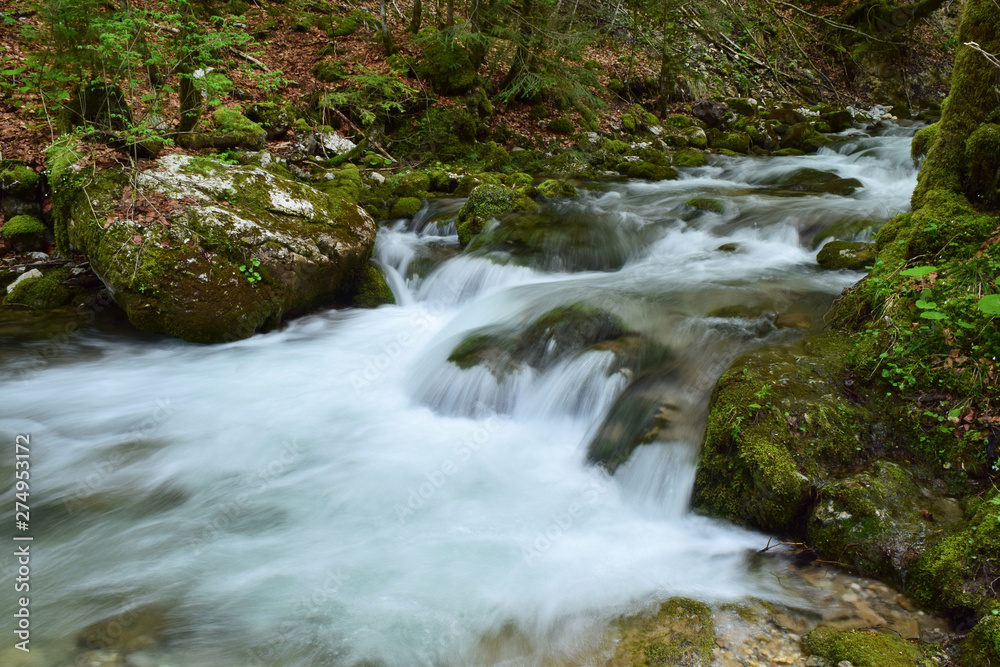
(338,491)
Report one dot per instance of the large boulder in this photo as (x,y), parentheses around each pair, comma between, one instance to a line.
(207,251)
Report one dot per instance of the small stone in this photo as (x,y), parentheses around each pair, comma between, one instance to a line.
(377,177)
(844,663)
(27,275)
(37,255)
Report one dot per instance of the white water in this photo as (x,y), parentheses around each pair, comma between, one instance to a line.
(338,491)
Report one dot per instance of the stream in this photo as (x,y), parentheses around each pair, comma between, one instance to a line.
(340,493)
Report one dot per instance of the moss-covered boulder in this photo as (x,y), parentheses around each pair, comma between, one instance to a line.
(737,142)
(412,184)
(696,137)
(350,24)
(846,255)
(226,251)
(801,136)
(46,291)
(561,125)
(446,66)
(405,207)
(330,71)
(373,290)
(232,130)
(276,118)
(18,180)
(487,202)
(706,204)
(538,343)
(680,634)
(690,157)
(648,171)
(815,181)
(779,427)
(25,233)
(956,574)
(862,648)
(554,188)
(878,520)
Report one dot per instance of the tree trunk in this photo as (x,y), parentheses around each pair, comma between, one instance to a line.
(974,95)
(387,46)
(418,10)
(523,53)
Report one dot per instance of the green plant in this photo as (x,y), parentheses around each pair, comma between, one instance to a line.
(250,271)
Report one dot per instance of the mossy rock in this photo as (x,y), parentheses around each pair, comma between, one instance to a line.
(140,628)
(779,426)
(815,181)
(982,159)
(690,157)
(405,207)
(803,137)
(561,125)
(539,343)
(486,202)
(232,130)
(441,181)
(353,22)
(553,188)
(944,220)
(679,121)
(343,184)
(789,152)
(708,205)
(742,105)
(445,65)
(184,279)
(862,648)
(45,292)
(875,521)
(647,171)
(412,184)
(955,571)
(737,142)
(25,233)
(629,124)
(681,634)
(493,157)
(330,71)
(276,118)
(372,290)
(695,136)
(982,645)
(18,180)
(846,255)
(838,120)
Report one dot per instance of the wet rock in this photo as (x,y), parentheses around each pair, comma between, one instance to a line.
(405,207)
(695,137)
(326,144)
(846,255)
(488,202)
(815,181)
(710,206)
(178,269)
(737,142)
(875,520)
(133,630)
(26,276)
(681,634)
(555,188)
(648,171)
(862,649)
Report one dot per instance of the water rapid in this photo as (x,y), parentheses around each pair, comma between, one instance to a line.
(339,491)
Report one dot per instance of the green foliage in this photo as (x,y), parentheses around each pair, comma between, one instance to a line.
(369,96)
(249,271)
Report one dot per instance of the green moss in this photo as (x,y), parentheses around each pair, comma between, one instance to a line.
(561,125)
(971,99)
(373,290)
(64,182)
(647,171)
(695,137)
(616,147)
(628,123)
(18,180)
(351,23)
(733,141)
(922,142)
(846,255)
(679,121)
(689,157)
(681,634)
(553,188)
(862,649)
(25,233)
(982,159)
(485,202)
(405,207)
(982,645)
(330,71)
(412,184)
(45,292)
(494,157)
(786,152)
(445,65)
(705,204)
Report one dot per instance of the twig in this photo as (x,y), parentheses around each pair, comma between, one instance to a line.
(355,128)
(248,58)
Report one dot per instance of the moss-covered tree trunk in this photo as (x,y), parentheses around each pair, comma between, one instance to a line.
(973,98)
(417,17)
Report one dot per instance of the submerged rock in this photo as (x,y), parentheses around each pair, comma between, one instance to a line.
(680,634)
(211,252)
(846,255)
(815,181)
